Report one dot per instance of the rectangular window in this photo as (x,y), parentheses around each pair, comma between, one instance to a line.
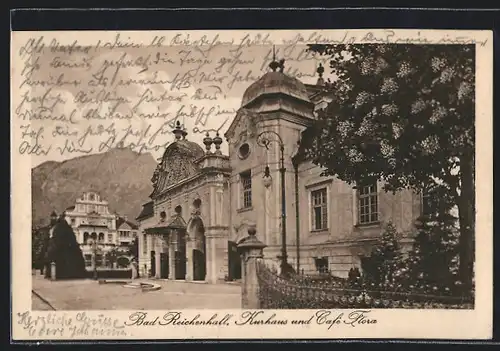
(110,238)
(88,260)
(319,209)
(321,264)
(246,188)
(368,204)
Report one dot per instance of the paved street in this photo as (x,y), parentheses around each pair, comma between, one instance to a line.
(90,295)
(38,304)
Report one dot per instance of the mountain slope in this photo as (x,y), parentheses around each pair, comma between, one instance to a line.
(121,176)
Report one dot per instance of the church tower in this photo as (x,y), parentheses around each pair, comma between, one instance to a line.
(274,111)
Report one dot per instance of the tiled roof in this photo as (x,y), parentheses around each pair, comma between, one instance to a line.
(122,220)
(177,222)
(147,211)
(163,228)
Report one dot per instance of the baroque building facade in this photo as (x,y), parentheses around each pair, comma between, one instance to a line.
(203,201)
(92,221)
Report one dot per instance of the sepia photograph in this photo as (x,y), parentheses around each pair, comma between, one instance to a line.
(249,171)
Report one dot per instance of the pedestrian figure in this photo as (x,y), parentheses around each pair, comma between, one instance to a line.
(133,265)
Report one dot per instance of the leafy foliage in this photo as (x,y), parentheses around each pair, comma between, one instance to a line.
(403,114)
(123,262)
(134,248)
(39,243)
(111,256)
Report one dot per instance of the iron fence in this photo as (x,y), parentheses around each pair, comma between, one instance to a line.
(302,292)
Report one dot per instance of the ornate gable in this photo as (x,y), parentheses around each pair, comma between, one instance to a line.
(125,226)
(244,125)
(177,164)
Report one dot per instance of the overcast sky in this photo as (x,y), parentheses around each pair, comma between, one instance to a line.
(184,73)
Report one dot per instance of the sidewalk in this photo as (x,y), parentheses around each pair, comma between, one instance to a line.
(90,295)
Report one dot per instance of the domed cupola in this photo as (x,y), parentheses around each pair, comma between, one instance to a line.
(276,91)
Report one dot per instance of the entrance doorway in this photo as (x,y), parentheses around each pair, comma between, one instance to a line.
(199,261)
(153,263)
(164,267)
(234,261)
(180,257)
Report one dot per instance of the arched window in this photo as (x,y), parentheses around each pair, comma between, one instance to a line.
(101,237)
(93,236)
(178,210)
(85,237)
(197,203)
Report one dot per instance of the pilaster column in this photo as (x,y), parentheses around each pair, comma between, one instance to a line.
(354,194)
(219,205)
(210,259)
(171,261)
(189,258)
(158,250)
(53,272)
(216,255)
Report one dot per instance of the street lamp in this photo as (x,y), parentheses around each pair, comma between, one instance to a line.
(93,243)
(263,139)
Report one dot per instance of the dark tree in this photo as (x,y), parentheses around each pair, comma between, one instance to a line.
(39,243)
(383,269)
(64,250)
(111,256)
(134,248)
(403,114)
(433,262)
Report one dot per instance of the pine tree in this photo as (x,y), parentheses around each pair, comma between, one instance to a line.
(433,262)
(383,268)
(65,252)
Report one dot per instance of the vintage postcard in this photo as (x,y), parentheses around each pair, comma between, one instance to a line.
(306,184)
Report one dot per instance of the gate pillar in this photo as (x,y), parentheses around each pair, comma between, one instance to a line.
(251,250)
